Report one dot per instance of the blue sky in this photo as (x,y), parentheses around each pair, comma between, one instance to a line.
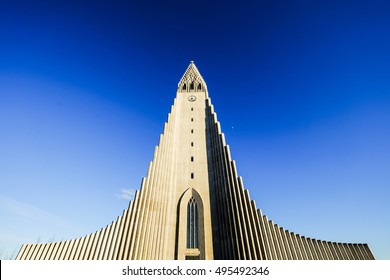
(301,89)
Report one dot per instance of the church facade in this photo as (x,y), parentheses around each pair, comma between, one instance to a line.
(192,204)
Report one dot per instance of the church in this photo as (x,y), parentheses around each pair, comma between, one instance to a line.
(192,205)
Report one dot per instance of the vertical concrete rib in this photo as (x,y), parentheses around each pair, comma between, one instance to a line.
(91,246)
(236,236)
(129,235)
(147,206)
(349,252)
(304,249)
(220,230)
(124,231)
(343,251)
(34,251)
(161,249)
(109,243)
(259,233)
(27,250)
(88,245)
(353,251)
(74,248)
(289,241)
(253,237)
(224,212)
(81,250)
(333,250)
(31,248)
(161,206)
(317,249)
(275,241)
(266,245)
(101,244)
(151,219)
(358,251)
(227,194)
(269,238)
(337,249)
(39,252)
(42,251)
(113,254)
(78,248)
(126,228)
(369,253)
(123,235)
(329,250)
(311,249)
(362,253)
(157,250)
(231,197)
(23,251)
(144,210)
(366,250)
(296,246)
(155,207)
(53,251)
(96,248)
(284,246)
(46,251)
(163,232)
(140,216)
(241,249)
(248,241)
(19,256)
(63,252)
(56,255)
(358,246)
(322,250)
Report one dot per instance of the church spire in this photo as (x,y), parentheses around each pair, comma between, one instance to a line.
(192,80)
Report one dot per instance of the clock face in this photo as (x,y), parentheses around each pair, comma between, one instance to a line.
(192,98)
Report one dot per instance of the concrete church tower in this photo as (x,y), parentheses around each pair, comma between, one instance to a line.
(192,204)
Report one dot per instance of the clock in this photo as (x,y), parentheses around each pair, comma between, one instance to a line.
(192,98)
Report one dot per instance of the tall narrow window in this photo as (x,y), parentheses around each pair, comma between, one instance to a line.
(192,223)
(192,175)
(192,144)
(192,86)
(199,87)
(192,131)
(184,87)
(192,158)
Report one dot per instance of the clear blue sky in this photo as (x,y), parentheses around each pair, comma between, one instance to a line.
(301,88)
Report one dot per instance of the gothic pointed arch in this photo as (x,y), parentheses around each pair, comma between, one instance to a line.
(190,226)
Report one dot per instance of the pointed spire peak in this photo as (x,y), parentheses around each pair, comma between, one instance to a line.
(192,68)
(192,80)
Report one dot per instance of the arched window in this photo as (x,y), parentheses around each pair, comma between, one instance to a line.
(192,86)
(192,224)
(199,87)
(184,87)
